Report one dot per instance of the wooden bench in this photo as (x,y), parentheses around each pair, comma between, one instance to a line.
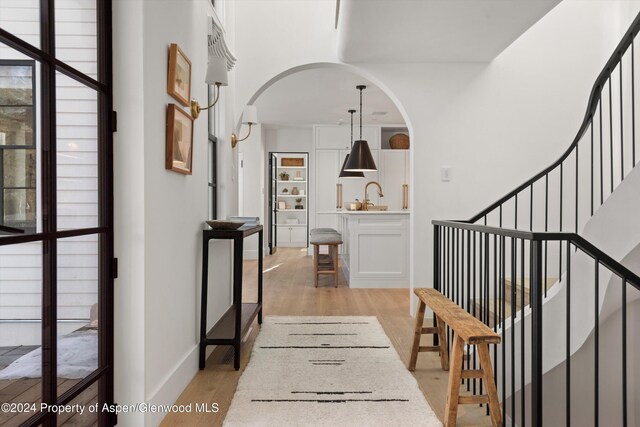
(467,330)
(325,264)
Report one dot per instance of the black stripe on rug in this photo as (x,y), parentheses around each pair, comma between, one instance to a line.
(331,392)
(323,334)
(324,323)
(319,346)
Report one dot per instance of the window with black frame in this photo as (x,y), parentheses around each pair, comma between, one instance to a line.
(17,145)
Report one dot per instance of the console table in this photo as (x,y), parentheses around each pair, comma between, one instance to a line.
(234,324)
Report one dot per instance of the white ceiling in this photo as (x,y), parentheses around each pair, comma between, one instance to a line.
(323,96)
(408,31)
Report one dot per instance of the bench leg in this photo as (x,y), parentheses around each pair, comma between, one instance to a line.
(335,263)
(455,375)
(316,256)
(487,369)
(442,339)
(413,358)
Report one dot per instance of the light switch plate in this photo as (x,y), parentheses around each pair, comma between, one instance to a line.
(446,173)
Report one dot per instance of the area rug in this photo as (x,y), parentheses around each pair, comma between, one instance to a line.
(327,371)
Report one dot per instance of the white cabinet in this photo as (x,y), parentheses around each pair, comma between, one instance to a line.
(292,236)
(394,172)
(332,137)
(328,164)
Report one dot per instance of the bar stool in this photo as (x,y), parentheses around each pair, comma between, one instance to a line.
(325,264)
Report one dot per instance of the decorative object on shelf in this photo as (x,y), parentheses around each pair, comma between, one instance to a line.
(299,204)
(295,191)
(360,158)
(179,140)
(344,173)
(302,192)
(338,196)
(249,117)
(285,190)
(225,224)
(284,176)
(179,75)
(399,141)
(405,196)
(298,176)
(292,161)
(282,205)
(216,75)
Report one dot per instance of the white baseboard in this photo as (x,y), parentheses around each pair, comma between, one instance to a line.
(173,385)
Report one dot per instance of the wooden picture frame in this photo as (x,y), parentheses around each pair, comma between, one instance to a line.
(179,75)
(179,140)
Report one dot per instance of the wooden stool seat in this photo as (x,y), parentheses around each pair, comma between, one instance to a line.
(325,263)
(467,330)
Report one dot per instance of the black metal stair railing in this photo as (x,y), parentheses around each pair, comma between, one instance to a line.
(503,263)
(473,265)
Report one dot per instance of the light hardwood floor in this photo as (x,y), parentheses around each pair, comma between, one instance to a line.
(289,290)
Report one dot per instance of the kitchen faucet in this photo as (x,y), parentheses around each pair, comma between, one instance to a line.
(366,202)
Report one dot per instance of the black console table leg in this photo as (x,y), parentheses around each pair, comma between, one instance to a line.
(203,300)
(238,255)
(260,243)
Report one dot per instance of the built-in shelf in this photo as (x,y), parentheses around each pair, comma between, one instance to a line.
(291,225)
(292,210)
(291,181)
(292,195)
(292,167)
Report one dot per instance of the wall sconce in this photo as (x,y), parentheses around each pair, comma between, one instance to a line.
(216,75)
(249,117)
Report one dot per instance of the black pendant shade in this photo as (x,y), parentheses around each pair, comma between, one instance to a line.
(349,174)
(344,173)
(360,158)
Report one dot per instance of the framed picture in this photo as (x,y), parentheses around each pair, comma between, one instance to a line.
(179,146)
(179,76)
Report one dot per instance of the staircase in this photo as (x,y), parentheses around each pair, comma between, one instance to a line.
(514,300)
(533,266)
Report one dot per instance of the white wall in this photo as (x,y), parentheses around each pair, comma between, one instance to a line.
(476,118)
(253,189)
(159,213)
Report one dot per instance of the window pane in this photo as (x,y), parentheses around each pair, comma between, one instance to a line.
(16,103)
(87,418)
(20,203)
(20,327)
(19,168)
(76,34)
(77,154)
(19,208)
(22,19)
(77,309)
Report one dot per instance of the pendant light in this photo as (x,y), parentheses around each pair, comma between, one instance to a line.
(344,173)
(360,158)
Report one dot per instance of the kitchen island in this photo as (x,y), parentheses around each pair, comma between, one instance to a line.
(375,249)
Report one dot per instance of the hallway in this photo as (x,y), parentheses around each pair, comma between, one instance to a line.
(289,290)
